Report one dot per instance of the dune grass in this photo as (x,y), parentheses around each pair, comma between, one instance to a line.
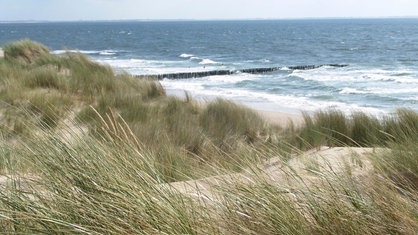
(52,90)
(113,185)
(24,52)
(86,151)
(334,128)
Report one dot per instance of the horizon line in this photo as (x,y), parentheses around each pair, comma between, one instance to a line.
(208,19)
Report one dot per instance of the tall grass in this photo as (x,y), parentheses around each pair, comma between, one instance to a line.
(333,128)
(114,185)
(58,88)
(223,119)
(24,52)
(86,151)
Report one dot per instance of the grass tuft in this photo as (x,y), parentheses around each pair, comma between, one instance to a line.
(24,52)
(226,121)
(333,128)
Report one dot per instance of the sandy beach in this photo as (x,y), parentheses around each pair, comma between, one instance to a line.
(281,118)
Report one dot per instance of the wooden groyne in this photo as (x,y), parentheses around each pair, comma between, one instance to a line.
(185,75)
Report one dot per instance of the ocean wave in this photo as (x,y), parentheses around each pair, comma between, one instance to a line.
(394,90)
(150,67)
(348,90)
(108,52)
(186,55)
(231,79)
(257,61)
(207,62)
(327,74)
(86,52)
(202,61)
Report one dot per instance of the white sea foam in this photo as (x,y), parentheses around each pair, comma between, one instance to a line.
(207,61)
(230,79)
(86,52)
(108,52)
(326,74)
(144,67)
(202,61)
(348,90)
(185,55)
(57,52)
(394,90)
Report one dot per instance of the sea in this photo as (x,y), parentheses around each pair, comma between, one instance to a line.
(381,57)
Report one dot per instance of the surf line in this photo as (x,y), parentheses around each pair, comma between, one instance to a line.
(200,74)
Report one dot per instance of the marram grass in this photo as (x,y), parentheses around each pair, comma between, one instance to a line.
(86,151)
(113,184)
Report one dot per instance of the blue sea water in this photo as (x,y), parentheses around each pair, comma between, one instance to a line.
(382,55)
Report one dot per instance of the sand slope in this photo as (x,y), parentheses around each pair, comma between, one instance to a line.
(307,168)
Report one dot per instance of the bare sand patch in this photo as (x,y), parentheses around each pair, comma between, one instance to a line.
(280,118)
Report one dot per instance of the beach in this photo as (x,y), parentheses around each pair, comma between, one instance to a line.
(281,118)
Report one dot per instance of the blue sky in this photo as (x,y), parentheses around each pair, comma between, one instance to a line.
(59,10)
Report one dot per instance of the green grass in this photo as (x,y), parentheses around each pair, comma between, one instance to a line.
(114,185)
(86,151)
(24,52)
(52,90)
(333,128)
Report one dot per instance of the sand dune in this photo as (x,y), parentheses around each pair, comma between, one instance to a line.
(304,170)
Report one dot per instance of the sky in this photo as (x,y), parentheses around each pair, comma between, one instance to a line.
(74,10)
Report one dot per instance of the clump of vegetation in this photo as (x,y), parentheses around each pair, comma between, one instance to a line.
(334,128)
(24,52)
(223,119)
(53,90)
(84,151)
